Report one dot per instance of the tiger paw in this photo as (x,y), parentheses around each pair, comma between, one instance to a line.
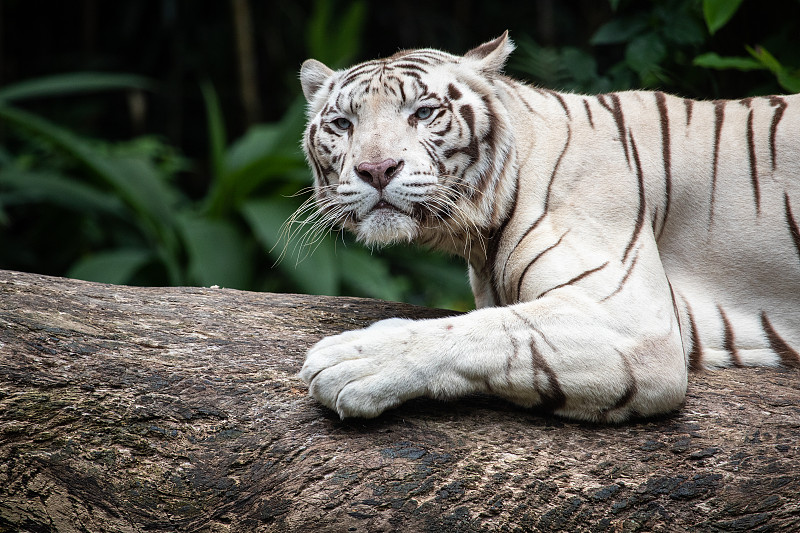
(365,372)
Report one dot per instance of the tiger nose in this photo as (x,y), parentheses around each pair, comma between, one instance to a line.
(379,174)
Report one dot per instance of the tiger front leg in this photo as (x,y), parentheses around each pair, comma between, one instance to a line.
(363,373)
(561,352)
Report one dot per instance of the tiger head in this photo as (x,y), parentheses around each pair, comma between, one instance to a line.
(412,147)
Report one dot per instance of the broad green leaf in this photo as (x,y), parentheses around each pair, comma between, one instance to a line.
(310,264)
(715,61)
(278,138)
(765,58)
(218,253)
(216,128)
(136,180)
(114,266)
(789,80)
(369,275)
(581,66)
(718,12)
(333,39)
(266,153)
(73,83)
(619,30)
(682,28)
(645,53)
(57,189)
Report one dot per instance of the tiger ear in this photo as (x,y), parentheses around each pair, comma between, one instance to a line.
(313,75)
(492,56)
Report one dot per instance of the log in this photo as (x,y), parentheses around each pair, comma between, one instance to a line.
(179,409)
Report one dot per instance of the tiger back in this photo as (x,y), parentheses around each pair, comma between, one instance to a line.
(613,241)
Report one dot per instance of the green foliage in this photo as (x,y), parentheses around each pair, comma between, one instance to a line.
(139,228)
(656,45)
(72,83)
(717,13)
(138,211)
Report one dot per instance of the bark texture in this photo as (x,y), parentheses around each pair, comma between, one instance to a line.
(178,409)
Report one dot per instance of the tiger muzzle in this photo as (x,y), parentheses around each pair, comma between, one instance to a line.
(379,174)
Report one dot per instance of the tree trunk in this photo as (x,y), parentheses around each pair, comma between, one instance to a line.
(178,409)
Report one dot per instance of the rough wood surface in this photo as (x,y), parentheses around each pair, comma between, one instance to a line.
(178,409)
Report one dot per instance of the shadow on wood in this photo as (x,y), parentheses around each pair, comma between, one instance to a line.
(175,409)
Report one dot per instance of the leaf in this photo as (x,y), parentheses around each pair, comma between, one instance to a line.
(135,179)
(718,12)
(715,61)
(114,266)
(370,276)
(57,189)
(682,28)
(619,30)
(789,80)
(73,83)
(335,40)
(218,253)
(765,58)
(267,152)
(216,128)
(581,66)
(645,53)
(313,267)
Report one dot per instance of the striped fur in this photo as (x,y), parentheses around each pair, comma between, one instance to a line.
(614,241)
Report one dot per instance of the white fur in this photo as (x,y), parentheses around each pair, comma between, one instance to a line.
(590,300)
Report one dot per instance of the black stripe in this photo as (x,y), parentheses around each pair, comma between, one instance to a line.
(751,150)
(521,97)
(490,268)
(409,65)
(561,101)
(619,118)
(630,390)
(554,398)
(588,112)
(677,316)
(511,358)
(546,203)
(780,106)
(555,168)
(792,223)
(666,154)
(729,344)
(576,278)
(640,215)
(625,277)
(356,72)
(719,118)
(529,265)
(601,98)
(696,355)
(688,105)
(788,356)
(531,325)
(516,245)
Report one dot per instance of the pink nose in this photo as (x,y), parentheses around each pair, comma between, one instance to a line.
(379,174)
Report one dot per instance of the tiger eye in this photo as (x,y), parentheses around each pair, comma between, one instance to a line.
(342,123)
(424,112)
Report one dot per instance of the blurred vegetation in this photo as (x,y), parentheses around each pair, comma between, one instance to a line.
(159,145)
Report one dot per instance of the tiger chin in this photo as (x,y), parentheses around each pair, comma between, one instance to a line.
(614,242)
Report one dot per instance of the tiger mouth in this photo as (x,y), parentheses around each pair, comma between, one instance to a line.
(384,204)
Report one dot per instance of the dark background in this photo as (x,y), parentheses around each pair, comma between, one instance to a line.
(182,174)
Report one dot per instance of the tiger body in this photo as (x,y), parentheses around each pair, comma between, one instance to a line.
(613,241)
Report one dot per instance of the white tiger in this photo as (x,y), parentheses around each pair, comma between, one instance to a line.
(614,242)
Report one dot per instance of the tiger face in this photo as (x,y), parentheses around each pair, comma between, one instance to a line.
(405,148)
